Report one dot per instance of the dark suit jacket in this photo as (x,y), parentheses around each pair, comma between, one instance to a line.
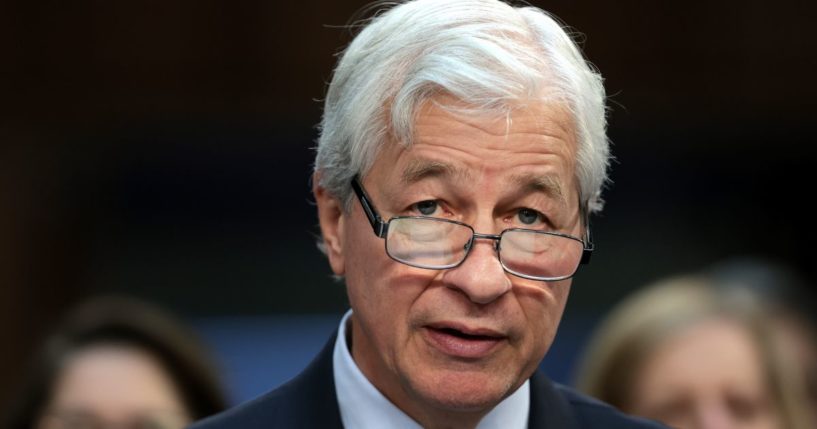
(308,401)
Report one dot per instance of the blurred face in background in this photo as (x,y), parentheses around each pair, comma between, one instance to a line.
(795,337)
(708,376)
(114,386)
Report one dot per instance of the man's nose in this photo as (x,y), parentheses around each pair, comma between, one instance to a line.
(481,276)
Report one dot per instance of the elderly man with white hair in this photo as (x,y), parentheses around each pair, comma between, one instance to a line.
(461,152)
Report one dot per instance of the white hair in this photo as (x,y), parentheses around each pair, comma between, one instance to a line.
(486,54)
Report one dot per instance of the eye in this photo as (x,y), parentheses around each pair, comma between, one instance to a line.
(746,408)
(529,216)
(426,208)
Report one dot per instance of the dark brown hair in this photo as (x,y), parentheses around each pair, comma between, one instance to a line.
(126,321)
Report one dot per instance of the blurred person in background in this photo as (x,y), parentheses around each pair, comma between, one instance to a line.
(785,297)
(117,362)
(695,354)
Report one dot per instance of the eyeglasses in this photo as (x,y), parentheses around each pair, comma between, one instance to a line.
(438,244)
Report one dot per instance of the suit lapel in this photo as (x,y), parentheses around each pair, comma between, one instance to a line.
(548,408)
(311,395)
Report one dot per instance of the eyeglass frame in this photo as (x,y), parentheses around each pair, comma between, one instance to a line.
(381,229)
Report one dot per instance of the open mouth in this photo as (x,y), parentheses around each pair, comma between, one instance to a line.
(460,343)
(463,335)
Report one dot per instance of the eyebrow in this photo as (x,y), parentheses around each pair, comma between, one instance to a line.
(547,184)
(419,169)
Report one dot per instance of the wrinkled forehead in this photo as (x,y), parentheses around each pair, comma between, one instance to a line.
(533,127)
(528,149)
(547,113)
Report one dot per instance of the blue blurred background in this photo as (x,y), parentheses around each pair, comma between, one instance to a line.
(163,149)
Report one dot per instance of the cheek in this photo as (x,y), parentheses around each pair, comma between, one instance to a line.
(364,259)
(543,304)
(381,291)
(542,307)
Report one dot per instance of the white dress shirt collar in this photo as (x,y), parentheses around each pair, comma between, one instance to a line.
(362,406)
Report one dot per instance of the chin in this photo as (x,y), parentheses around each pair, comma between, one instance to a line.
(462,391)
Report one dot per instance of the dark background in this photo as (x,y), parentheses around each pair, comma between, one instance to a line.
(163,149)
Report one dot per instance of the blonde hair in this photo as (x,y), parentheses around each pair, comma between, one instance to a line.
(636,327)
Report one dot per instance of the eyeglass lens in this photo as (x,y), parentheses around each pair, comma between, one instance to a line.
(540,255)
(427,243)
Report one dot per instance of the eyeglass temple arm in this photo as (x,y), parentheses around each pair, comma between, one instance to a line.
(588,244)
(378,225)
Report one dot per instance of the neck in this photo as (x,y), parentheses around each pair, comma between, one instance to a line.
(449,420)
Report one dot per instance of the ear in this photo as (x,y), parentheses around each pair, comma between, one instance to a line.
(331,218)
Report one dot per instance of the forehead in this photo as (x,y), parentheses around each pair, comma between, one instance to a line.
(546,116)
(706,356)
(532,143)
(114,380)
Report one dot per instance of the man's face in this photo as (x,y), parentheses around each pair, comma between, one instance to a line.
(460,339)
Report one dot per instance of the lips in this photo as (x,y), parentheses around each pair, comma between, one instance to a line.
(460,341)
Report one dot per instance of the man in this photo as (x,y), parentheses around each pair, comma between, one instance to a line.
(462,149)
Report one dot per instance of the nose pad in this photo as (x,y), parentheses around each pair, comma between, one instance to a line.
(470,243)
(480,276)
